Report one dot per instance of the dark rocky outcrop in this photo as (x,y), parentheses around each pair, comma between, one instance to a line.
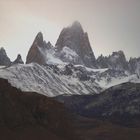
(37,52)
(18,60)
(134,66)
(115,61)
(4,59)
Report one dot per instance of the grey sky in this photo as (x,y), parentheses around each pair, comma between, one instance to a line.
(112,25)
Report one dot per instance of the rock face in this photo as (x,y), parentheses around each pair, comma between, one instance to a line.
(4,59)
(134,66)
(18,60)
(74,39)
(37,52)
(115,61)
(72,46)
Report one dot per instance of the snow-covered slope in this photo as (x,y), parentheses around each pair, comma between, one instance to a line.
(107,78)
(53,80)
(33,77)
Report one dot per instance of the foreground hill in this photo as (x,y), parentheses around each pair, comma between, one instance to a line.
(31,116)
(119,104)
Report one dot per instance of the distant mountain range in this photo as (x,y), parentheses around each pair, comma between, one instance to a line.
(69,67)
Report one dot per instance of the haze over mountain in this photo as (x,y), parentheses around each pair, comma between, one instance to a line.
(112,25)
(77,40)
(72,46)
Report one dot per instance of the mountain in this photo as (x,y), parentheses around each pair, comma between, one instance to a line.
(73,46)
(18,60)
(37,52)
(4,59)
(115,61)
(134,66)
(47,73)
(65,69)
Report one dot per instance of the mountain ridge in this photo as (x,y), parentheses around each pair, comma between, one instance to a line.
(67,68)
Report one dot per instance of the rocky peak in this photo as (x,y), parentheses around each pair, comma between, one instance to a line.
(37,50)
(4,59)
(48,45)
(102,61)
(116,60)
(77,23)
(39,39)
(119,54)
(18,60)
(77,27)
(134,66)
(77,40)
(2,51)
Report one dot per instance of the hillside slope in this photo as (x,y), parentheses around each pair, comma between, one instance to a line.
(31,116)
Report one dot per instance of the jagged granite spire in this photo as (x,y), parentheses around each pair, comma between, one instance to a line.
(77,40)
(116,60)
(134,66)
(4,59)
(18,60)
(37,50)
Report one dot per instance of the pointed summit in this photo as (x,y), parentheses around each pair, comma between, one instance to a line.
(134,66)
(18,60)
(4,59)
(39,35)
(77,25)
(37,52)
(74,38)
(39,39)
(116,60)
